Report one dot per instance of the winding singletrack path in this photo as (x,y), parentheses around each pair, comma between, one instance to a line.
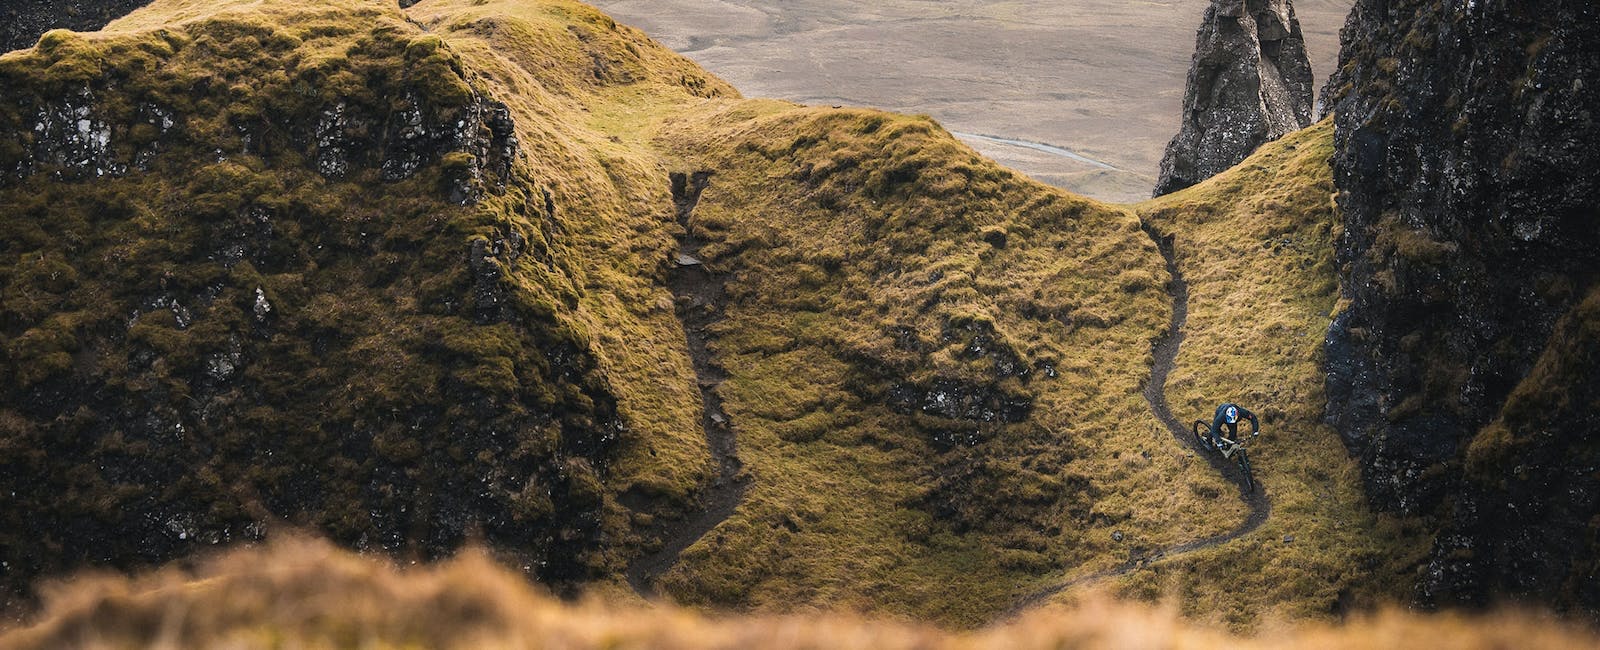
(1155,392)
(698,294)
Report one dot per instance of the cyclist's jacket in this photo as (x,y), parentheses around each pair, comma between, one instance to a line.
(1221,420)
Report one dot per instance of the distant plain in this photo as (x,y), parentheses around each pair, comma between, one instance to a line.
(1101,78)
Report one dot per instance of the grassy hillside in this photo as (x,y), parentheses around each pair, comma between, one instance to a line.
(585,81)
(821,218)
(286,261)
(403,278)
(309,595)
(934,367)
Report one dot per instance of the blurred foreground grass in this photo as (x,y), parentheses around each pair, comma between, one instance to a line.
(304,593)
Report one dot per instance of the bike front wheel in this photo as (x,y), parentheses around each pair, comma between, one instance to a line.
(1244,466)
(1201,438)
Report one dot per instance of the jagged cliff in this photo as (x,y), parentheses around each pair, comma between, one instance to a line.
(1465,371)
(22,22)
(1250,83)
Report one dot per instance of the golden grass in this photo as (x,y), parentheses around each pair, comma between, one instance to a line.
(306,594)
(868,252)
(846,233)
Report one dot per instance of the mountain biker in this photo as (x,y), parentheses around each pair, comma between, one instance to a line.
(1228,415)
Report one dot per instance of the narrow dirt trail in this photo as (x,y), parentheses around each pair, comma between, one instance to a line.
(1155,392)
(698,295)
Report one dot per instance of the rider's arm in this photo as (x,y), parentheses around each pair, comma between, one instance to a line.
(1255,426)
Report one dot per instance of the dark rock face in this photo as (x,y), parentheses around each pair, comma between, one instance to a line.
(958,410)
(22,22)
(1464,373)
(1250,83)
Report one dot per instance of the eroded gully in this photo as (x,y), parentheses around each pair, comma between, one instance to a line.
(698,296)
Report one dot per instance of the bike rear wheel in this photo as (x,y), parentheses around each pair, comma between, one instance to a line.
(1249,478)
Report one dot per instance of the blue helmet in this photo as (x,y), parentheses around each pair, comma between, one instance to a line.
(1231,415)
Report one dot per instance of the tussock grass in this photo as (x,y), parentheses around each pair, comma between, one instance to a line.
(874,264)
(588,89)
(871,253)
(307,594)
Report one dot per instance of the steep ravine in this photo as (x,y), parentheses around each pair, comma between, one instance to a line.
(1155,392)
(698,294)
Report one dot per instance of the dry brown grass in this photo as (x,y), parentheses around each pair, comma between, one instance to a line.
(307,594)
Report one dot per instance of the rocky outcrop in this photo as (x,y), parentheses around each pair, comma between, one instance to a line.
(1250,83)
(22,22)
(956,409)
(1464,373)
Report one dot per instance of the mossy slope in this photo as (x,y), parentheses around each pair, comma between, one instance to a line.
(295,261)
(934,369)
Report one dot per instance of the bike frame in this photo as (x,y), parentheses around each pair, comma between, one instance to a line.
(1231,447)
(1225,446)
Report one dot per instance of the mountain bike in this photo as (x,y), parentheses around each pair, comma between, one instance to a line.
(1230,449)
